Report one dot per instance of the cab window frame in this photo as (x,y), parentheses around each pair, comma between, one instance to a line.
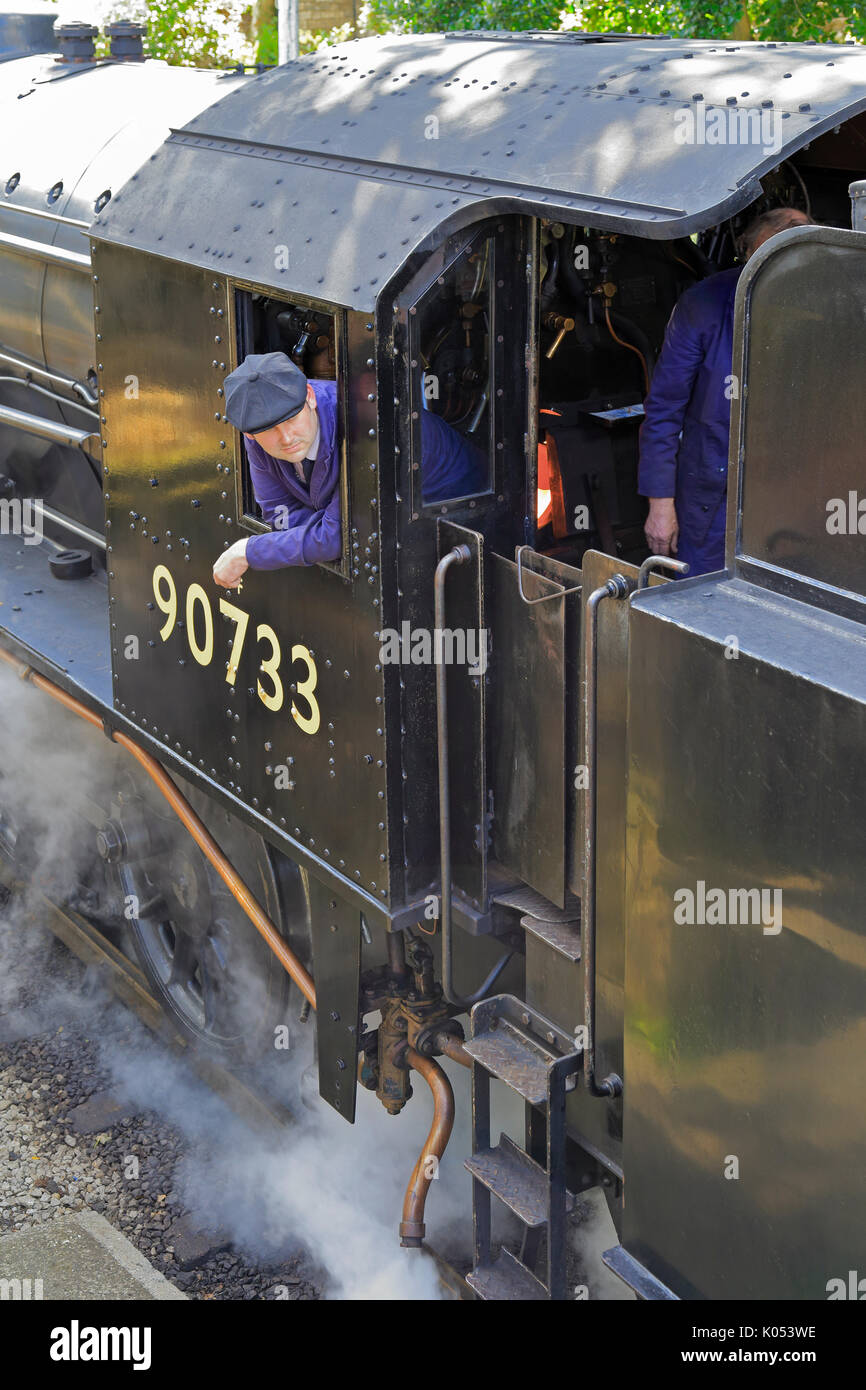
(423,284)
(242,483)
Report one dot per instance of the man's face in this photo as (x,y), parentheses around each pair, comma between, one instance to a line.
(796,219)
(293,439)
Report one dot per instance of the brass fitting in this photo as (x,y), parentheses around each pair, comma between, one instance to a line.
(413,1011)
(560,326)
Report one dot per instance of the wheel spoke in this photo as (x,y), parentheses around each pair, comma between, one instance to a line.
(219,992)
(183,961)
(208,968)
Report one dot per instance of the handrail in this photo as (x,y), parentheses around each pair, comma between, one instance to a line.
(616,587)
(44,429)
(659,562)
(42,251)
(458,556)
(49,216)
(75,528)
(83,391)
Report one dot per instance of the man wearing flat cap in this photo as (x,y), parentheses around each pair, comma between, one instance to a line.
(291,431)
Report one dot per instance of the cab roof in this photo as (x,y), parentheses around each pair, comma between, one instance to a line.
(353,157)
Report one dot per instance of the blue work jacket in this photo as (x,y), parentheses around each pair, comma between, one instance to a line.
(306,520)
(684,437)
(308,526)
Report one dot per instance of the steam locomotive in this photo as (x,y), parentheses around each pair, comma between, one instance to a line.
(494,786)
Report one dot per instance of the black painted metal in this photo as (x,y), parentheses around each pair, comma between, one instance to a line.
(65,622)
(805,287)
(520,1047)
(638,1279)
(359,155)
(570,579)
(336,168)
(528,715)
(303,740)
(746,729)
(27,28)
(336,927)
(467,700)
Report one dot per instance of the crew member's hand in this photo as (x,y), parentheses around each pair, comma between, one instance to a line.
(231,565)
(662,528)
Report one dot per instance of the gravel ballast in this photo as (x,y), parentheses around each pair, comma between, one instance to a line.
(60,1047)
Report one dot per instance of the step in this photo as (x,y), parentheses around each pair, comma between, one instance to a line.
(562,937)
(511,1056)
(525,900)
(516,1179)
(506,1280)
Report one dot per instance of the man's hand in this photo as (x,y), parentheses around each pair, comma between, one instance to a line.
(231,565)
(662,528)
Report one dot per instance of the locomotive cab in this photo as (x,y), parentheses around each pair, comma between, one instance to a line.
(430,735)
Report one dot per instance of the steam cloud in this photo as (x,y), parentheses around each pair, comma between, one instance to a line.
(334,1189)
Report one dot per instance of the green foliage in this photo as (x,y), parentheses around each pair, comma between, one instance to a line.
(693,18)
(266,48)
(187,33)
(425,16)
(825,20)
(308,39)
(180,31)
(217,33)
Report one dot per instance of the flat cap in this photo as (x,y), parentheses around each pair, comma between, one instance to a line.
(266,389)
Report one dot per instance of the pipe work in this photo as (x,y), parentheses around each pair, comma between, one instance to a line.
(616,587)
(412,1227)
(460,555)
(202,836)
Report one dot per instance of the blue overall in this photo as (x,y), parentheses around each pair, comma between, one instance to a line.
(685,434)
(306,519)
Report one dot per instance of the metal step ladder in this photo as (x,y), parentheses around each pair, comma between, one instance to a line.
(515,1044)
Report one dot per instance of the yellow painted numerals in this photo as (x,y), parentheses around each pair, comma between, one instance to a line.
(195,594)
(167,603)
(200,635)
(270,667)
(308,722)
(242,621)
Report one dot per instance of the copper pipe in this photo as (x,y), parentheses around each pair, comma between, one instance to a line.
(203,838)
(412,1226)
(631,347)
(397,956)
(451,1046)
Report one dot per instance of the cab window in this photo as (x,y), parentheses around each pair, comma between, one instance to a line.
(310,337)
(451,328)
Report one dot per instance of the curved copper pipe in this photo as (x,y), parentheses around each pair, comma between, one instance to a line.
(202,836)
(631,347)
(451,1046)
(412,1225)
